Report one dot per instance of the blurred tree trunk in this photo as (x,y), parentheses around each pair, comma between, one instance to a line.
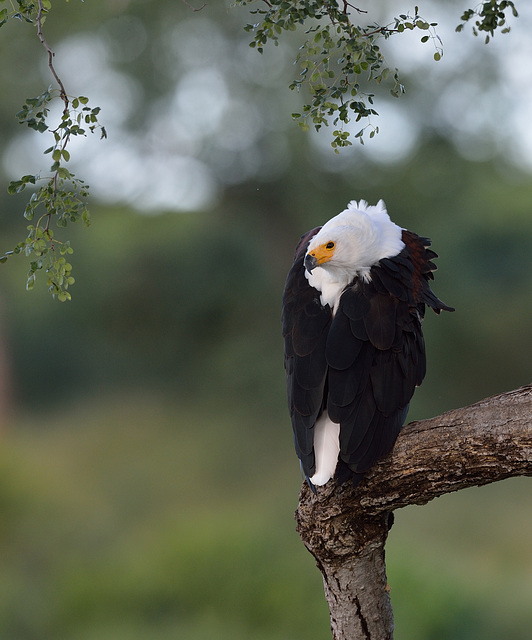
(345,529)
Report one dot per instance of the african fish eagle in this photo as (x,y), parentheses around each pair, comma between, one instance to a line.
(354,350)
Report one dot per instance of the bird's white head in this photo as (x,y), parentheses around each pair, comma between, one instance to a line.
(353,241)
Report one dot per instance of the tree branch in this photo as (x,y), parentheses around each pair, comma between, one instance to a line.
(194,8)
(62,91)
(345,529)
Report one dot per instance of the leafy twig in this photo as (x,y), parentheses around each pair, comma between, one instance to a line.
(338,59)
(491,16)
(62,196)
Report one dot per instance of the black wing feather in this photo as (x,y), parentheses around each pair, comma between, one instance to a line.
(342,353)
(305,328)
(380,321)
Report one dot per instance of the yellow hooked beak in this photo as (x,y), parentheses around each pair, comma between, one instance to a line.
(319,256)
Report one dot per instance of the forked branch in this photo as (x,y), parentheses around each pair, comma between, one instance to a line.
(346,529)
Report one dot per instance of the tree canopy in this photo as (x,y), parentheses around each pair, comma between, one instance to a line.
(337,51)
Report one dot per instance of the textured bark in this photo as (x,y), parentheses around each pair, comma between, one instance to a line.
(345,529)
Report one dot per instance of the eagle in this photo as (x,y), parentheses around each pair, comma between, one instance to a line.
(354,351)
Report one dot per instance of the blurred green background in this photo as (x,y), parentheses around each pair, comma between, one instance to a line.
(148,480)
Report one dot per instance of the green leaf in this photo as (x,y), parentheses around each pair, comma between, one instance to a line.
(16,186)
(64,173)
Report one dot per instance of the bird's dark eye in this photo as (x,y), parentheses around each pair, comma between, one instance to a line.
(329,245)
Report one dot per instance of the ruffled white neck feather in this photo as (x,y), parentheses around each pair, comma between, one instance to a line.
(363,235)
